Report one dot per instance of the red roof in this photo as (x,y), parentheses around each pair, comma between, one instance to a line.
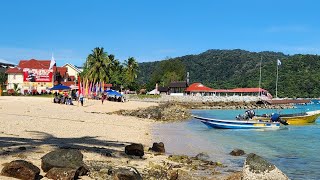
(61,70)
(249,90)
(14,70)
(241,90)
(198,87)
(34,64)
(107,85)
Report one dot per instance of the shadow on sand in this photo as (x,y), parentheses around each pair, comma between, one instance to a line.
(17,145)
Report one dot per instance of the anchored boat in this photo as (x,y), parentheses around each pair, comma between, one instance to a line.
(237,124)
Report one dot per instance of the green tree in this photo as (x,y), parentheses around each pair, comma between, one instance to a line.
(131,70)
(97,66)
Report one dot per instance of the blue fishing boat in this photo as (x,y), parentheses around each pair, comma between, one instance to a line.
(237,124)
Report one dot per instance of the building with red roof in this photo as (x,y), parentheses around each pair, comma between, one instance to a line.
(35,75)
(202,90)
(199,89)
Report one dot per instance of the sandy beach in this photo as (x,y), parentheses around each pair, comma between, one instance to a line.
(30,127)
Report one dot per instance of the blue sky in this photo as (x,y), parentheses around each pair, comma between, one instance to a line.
(153,30)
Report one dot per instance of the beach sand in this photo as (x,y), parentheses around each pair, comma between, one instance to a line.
(37,124)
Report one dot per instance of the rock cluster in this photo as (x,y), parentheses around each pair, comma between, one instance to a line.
(163,112)
(255,167)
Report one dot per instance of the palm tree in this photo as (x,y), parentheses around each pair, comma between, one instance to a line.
(131,69)
(98,66)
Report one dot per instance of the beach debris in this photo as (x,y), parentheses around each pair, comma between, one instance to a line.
(62,173)
(202,156)
(64,158)
(158,147)
(126,173)
(237,152)
(21,169)
(134,149)
(255,167)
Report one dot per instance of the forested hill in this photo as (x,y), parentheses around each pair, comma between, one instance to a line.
(299,75)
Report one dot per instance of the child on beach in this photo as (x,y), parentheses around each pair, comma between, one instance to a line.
(81,99)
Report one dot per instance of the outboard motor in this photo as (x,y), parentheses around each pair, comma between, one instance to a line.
(276,118)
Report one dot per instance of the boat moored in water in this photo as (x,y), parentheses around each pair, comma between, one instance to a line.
(237,124)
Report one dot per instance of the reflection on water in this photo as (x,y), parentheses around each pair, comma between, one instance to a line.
(293,149)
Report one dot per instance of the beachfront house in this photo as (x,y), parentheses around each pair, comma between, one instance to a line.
(198,89)
(242,92)
(34,76)
(73,71)
(177,88)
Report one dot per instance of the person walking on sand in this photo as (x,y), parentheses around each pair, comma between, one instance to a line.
(81,99)
(103,97)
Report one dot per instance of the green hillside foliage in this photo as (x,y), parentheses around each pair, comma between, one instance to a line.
(299,75)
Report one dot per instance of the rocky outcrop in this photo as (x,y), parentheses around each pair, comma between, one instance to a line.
(158,147)
(134,149)
(64,158)
(163,112)
(255,167)
(237,152)
(62,173)
(202,156)
(21,169)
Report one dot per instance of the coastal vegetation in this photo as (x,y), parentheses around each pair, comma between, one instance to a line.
(299,75)
(103,67)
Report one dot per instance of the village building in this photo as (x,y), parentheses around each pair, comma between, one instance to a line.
(34,76)
(198,89)
(177,88)
(73,71)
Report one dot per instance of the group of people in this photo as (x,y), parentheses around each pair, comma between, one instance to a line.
(67,97)
(62,98)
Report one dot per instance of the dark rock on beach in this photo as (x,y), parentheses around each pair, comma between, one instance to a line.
(134,149)
(21,169)
(237,152)
(255,167)
(64,158)
(62,173)
(158,147)
(202,156)
(126,174)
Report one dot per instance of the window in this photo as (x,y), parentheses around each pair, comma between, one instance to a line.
(14,76)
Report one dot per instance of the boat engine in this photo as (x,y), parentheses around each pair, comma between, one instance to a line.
(276,118)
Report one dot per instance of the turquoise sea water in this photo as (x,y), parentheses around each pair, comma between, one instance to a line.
(293,149)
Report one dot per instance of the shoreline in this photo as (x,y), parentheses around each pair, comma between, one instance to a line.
(31,127)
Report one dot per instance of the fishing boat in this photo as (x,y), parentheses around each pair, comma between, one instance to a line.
(296,118)
(237,124)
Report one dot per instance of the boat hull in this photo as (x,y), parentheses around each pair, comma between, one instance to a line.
(235,124)
(309,117)
(301,120)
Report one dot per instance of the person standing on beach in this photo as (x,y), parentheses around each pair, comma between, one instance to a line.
(103,97)
(81,99)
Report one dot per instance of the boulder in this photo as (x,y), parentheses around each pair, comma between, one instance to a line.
(64,158)
(255,167)
(21,169)
(237,152)
(62,173)
(158,147)
(126,174)
(202,156)
(134,149)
